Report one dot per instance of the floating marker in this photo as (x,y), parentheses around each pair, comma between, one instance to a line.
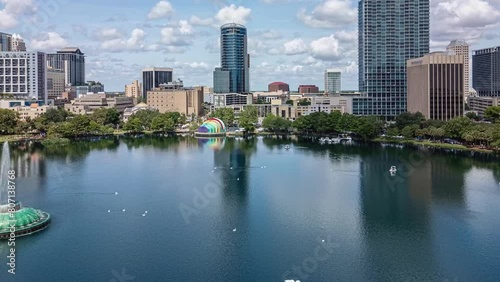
(143,214)
(109,210)
(238,179)
(146,212)
(234,230)
(323,241)
(123,210)
(116,193)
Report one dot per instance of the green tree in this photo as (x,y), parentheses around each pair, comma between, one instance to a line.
(393,132)
(407,118)
(8,121)
(145,118)
(457,126)
(304,102)
(105,116)
(492,113)
(276,124)
(133,125)
(410,131)
(472,116)
(224,114)
(163,123)
(248,118)
(368,127)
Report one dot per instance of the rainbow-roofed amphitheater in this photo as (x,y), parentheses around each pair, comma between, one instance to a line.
(212,127)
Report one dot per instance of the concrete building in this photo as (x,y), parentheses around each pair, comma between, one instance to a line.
(134,90)
(436,86)
(17,44)
(233,76)
(139,107)
(278,86)
(268,97)
(389,33)
(333,81)
(89,103)
(230,99)
(460,47)
(303,89)
(174,97)
(153,77)
(32,112)
(9,104)
(480,104)
(55,83)
(486,71)
(24,75)
(72,61)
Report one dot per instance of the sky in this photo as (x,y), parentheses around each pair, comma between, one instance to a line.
(293,41)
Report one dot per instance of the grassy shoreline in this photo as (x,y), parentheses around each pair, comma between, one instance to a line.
(432,144)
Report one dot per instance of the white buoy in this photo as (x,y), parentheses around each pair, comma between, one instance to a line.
(123,210)
(234,230)
(238,179)
(116,193)
(231,167)
(109,210)
(323,241)
(143,214)
(146,212)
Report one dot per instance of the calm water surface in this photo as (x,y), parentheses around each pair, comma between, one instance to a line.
(437,219)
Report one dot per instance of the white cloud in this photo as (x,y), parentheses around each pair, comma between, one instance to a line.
(329,14)
(326,48)
(232,13)
(200,22)
(295,47)
(134,43)
(48,42)
(13,10)
(106,34)
(177,36)
(162,9)
(469,19)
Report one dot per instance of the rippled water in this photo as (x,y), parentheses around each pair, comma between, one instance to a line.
(237,210)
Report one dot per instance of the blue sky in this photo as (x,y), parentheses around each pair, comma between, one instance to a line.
(289,40)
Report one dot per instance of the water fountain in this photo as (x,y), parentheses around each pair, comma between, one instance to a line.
(16,220)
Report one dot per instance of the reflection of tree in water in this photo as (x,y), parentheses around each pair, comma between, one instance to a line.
(159,142)
(78,149)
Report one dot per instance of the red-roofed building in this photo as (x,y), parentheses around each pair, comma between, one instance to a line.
(277,86)
(306,89)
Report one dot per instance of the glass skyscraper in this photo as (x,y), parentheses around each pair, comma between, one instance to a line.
(390,33)
(153,77)
(234,59)
(72,61)
(486,72)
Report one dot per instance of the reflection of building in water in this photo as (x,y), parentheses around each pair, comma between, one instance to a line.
(212,143)
(396,210)
(28,165)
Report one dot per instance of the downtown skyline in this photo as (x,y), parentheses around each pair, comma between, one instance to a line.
(286,40)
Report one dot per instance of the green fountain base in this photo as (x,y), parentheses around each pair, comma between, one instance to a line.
(22,222)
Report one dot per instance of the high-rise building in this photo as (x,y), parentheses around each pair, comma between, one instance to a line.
(333,81)
(436,86)
(460,47)
(72,61)
(389,33)
(24,75)
(153,77)
(55,83)
(134,90)
(17,44)
(486,72)
(221,81)
(5,42)
(234,59)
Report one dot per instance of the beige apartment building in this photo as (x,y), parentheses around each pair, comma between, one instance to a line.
(32,112)
(460,47)
(134,90)
(436,86)
(89,103)
(186,101)
(480,104)
(55,83)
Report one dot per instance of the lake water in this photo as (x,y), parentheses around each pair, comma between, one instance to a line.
(249,210)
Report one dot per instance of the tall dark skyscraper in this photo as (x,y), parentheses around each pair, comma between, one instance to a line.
(72,61)
(390,33)
(153,77)
(234,59)
(486,71)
